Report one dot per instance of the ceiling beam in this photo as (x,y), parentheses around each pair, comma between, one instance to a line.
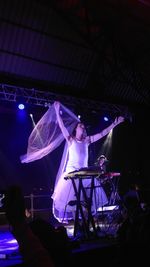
(41,98)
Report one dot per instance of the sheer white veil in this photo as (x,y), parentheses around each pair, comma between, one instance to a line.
(47,136)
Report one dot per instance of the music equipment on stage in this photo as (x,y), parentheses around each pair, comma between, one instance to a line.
(106,177)
(91,171)
(82,174)
(108,208)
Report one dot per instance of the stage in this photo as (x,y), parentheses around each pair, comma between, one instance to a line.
(83,249)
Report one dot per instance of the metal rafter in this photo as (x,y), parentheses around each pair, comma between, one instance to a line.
(42,98)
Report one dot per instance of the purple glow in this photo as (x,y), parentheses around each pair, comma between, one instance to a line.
(7,242)
(13,241)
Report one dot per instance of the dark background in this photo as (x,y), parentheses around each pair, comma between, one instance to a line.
(128,154)
(94,57)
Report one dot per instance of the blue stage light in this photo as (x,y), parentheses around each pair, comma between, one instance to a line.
(106,118)
(21,106)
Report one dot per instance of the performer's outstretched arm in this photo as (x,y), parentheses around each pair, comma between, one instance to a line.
(60,121)
(104,132)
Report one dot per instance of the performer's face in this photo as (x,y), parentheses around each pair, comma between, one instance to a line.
(80,127)
(101,161)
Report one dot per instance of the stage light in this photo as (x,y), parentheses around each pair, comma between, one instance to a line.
(33,122)
(21,106)
(106,118)
(79,117)
(47,104)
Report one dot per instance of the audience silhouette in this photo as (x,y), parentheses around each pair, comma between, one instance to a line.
(134,232)
(40,244)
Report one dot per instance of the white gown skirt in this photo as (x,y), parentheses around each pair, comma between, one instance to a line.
(64,193)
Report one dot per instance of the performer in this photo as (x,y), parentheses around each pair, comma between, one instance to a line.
(100,193)
(109,180)
(75,155)
(77,158)
(102,162)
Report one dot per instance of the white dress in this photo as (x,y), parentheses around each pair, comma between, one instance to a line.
(64,191)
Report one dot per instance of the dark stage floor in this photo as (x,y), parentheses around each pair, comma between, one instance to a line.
(98,248)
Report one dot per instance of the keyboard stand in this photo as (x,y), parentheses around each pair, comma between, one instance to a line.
(83,207)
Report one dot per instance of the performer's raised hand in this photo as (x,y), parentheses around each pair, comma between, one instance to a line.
(118,120)
(57,105)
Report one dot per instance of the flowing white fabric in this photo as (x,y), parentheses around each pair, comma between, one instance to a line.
(64,191)
(47,136)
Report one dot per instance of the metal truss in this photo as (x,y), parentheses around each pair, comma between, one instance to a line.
(42,98)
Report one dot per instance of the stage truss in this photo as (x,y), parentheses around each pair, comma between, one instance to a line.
(43,98)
